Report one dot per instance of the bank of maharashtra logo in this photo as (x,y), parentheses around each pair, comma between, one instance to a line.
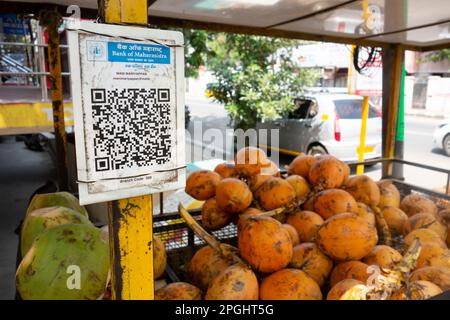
(96,51)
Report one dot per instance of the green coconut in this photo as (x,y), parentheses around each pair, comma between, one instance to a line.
(40,220)
(67,262)
(56,199)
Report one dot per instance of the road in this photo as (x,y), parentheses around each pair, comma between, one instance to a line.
(418,144)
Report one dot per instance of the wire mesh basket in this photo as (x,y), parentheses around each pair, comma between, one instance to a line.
(181,243)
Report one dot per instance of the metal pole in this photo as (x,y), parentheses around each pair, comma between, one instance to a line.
(51,20)
(27,74)
(393,57)
(41,55)
(130,220)
(400,137)
(21,44)
(392,69)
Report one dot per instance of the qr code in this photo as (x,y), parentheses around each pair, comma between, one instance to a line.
(131,128)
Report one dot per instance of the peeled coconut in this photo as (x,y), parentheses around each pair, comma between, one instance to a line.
(327,172)
(346,236)
(433,255)
(425,236)
(301,165)
(237,282)
(389,194)
(201,185)
(206,264)
(306,223)
(416,203)
(214,218)
(289,284)
(265,244)
(56,199)
(255,181)
(271,170)
(225,170)
(363,189)
(292,233)
(418,290)
(349,270)
(395,218)
(251,160)
(275,193)
(233,195)
(40,220)
(308,258)
(425,221)
(338,290)
(383,256)
(159,258)
(333,201)
(438,275)
(178,291)
(300,186)
(364,211)
(67,262)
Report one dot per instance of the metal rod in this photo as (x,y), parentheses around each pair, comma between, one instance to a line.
(22,44)
(52,19)
(41,57)
(420,165)
(362,135)
(394,160)
(161,203)
(31,74)
(424,190)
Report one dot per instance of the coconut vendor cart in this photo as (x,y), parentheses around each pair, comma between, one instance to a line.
(392,26)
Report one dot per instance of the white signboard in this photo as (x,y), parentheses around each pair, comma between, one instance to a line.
(128,97)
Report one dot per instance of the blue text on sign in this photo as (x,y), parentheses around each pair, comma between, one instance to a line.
(139,53)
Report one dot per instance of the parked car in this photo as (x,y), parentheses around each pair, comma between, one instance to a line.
(327,123)
(441,136)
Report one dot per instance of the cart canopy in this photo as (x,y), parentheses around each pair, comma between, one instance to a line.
(416,24)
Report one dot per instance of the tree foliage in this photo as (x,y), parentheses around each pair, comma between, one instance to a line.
(195,51)
(255,76)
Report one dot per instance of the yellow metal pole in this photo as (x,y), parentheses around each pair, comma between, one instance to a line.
(362,137)
(130,220)
(392,114)
(51,20)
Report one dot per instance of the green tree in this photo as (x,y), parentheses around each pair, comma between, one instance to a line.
(196,50)
(255,81)
(436,56)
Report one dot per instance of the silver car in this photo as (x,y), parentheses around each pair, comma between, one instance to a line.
(327,123)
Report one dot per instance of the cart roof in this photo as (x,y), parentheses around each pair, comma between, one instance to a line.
(417,24)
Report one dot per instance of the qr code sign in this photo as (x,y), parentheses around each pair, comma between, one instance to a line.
(131,128)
